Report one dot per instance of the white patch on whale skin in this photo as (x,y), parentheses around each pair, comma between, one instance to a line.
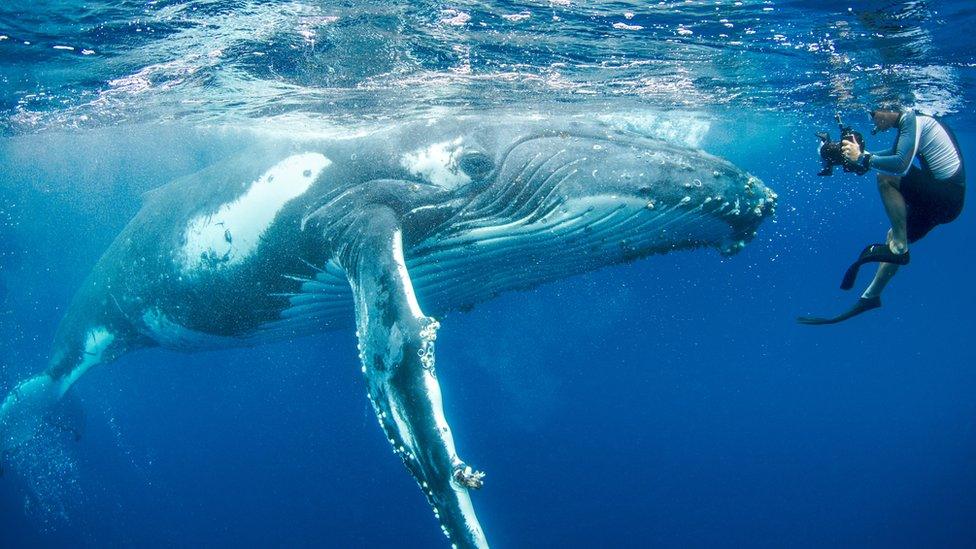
(411,297)
(438,164)
(96,341)
(227,236)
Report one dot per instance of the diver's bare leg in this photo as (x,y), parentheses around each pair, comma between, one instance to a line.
(894,204)
(881,278)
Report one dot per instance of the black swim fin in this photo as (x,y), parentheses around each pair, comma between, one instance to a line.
(863,304)
(875,253)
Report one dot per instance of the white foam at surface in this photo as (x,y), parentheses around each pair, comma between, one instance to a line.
(684,129)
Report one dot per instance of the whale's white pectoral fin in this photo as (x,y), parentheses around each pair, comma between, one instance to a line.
(396,343)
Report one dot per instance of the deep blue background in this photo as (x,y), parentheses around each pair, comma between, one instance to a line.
(673,401)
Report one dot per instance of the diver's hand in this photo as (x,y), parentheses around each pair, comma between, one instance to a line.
(851,150)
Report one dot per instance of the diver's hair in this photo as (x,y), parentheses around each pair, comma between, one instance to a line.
(888,105)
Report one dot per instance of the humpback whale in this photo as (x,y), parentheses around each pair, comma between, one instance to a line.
(385,232)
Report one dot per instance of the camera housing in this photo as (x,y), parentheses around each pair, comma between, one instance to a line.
(831,154)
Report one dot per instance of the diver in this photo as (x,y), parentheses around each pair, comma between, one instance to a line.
(922,182)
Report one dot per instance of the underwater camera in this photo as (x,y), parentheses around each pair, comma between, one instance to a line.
(831,155)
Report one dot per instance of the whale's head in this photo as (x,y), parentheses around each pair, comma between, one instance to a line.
(548,204)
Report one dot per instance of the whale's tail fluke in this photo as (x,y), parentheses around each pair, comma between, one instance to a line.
(40,400)
(25,409)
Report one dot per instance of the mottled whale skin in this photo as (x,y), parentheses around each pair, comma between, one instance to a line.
(388,230)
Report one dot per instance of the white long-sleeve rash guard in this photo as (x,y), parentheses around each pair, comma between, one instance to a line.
(919,135)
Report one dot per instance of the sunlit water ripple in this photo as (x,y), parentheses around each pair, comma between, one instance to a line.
(97,63)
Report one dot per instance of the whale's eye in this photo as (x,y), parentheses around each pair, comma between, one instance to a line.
(476,164)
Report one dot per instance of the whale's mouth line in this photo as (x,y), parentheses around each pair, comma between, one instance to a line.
(584,235)
(597,217)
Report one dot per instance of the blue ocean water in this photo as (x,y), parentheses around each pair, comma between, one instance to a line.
(673,401)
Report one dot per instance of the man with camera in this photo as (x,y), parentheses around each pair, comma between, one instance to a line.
(922,182)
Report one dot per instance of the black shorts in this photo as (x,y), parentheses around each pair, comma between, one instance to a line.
(930,201)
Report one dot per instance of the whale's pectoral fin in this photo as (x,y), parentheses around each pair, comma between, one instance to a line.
(397,351)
